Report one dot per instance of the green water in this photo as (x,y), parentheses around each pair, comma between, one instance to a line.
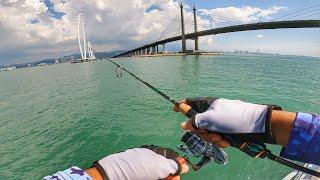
(57,116)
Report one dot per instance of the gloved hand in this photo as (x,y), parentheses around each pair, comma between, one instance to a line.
(231,117)
(147,162)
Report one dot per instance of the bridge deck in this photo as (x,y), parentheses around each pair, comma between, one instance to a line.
(236,28)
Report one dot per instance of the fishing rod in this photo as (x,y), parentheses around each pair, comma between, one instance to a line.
(119,74)
(195,146)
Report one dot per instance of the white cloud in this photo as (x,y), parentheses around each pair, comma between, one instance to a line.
(110,25)
(243,14)
(99,18)
(260,36)
(37,6)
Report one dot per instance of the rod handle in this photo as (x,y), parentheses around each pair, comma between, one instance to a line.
(187,110)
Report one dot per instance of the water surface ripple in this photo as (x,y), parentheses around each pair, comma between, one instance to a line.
(57,116)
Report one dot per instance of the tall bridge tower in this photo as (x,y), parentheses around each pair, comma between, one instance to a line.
(196,39)
(183,36)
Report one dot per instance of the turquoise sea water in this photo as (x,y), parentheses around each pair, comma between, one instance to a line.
(57,116)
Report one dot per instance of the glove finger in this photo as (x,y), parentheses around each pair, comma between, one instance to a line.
(165,152)
(222,144)
(211,137)
(200,104)
(190,127)
(187,125)
(177,177)
(184,169)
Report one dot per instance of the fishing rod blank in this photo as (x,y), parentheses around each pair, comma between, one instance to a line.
(188,110)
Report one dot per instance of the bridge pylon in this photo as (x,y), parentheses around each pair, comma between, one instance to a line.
(196,39)
(183,36)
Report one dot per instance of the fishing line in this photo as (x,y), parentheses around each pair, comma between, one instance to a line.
(253,150)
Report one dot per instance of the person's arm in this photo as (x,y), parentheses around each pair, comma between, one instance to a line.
(281,124)
(304,141)
(298,133)
(147,162)
(94,173)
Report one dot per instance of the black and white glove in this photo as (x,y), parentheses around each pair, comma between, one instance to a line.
(234,117)
(145,163)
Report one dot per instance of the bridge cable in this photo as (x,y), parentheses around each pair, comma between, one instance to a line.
(292,13)
(302,14)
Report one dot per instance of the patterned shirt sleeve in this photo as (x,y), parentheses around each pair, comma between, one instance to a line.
(304,142)
(73,173)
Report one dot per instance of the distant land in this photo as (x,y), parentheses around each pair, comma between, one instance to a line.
(102,55)
(64,59)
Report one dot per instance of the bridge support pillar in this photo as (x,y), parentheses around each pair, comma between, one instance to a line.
(163,48)
(157,49)
(196,40)
(153,49)
(148,50)
(183,38)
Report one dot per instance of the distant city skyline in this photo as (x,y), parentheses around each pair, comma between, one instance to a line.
(32,30)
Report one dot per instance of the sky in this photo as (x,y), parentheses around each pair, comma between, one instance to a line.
(33,30)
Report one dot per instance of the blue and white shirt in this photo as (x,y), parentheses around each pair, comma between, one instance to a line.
(304,142)
(73,173)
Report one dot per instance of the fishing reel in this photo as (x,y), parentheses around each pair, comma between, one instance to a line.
(196,147)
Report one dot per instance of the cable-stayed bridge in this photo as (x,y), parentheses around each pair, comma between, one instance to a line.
(183,27)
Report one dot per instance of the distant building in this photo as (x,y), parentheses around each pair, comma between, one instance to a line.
(56,61)
(41,64)
(11,68)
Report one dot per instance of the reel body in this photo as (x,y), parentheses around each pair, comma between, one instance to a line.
(196,147)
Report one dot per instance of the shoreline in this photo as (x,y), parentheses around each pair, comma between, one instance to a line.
(179,54)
